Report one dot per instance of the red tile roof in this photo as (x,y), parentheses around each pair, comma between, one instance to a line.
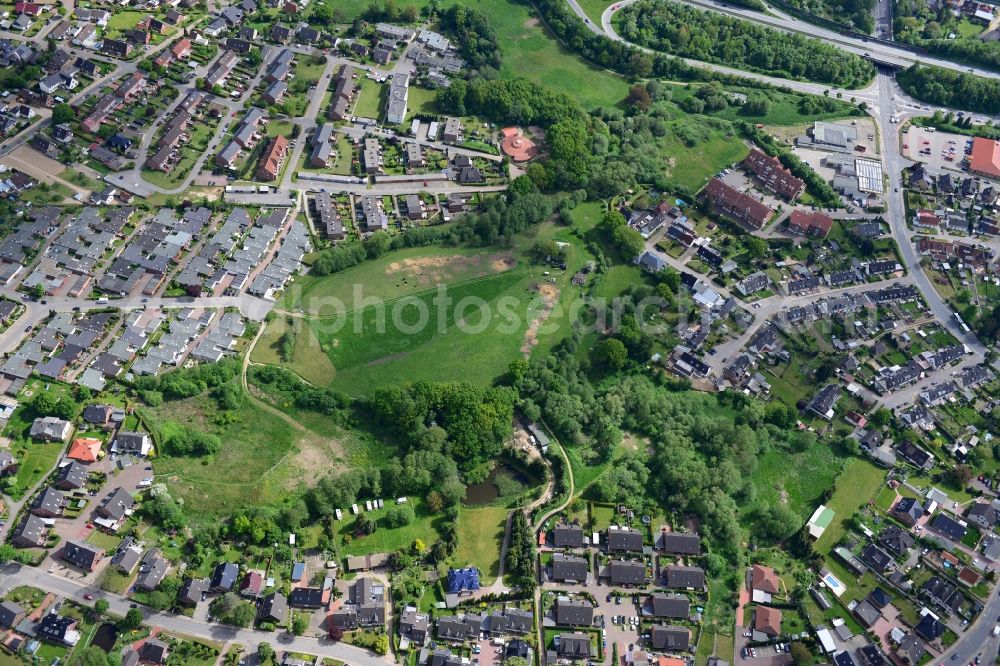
(735,205)
(767,620)
(764,579)
(773,174)
(807,222)
(985,157)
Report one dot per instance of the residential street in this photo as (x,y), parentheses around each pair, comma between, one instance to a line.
(13,575)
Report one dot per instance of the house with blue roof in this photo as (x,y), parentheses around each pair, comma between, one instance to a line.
(298,571)
(461,581)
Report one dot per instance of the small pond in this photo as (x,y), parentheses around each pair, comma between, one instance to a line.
(105,637)
(489,490)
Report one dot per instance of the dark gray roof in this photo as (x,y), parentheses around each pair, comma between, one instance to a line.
(681,543)
(569,568)
(570,612)
(670,605)
(669,637)
(684,576)
(623,572)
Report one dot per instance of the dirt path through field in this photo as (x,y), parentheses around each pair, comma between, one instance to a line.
(549,294)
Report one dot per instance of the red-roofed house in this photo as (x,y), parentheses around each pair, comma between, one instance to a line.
(808,223)
(181,48)
(85,449)
(773,175)
(270,163)
(736,206)
(985,157)
(764,579)
(767,621)
(927,219)
(252,584)
(29,8)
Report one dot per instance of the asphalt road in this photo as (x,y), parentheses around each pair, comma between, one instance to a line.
(14,575)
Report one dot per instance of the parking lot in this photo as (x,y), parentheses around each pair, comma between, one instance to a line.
(766,656)
(940,151)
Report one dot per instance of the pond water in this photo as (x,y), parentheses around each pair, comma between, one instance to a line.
(487,491)
(105,637)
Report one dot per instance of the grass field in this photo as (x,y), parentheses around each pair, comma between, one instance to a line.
(696,163)
(393,275)
(798,479)
(530,50)
(526,311)
(38,461)
(386,540)
(855,487)
(594,9)
(369,104)
(480,532)
(263,459)
(420,100)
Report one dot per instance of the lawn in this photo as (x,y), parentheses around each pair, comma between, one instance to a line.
(122,21)
(855,487)
(480,533)
(530,51)
(107,542)
(369,104)
(505,307)
(262,460)
(387,540)
(420,100)
(392,275)
(594,9)
(38,460)
(797,478)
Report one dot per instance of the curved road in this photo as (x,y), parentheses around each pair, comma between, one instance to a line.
(607,30)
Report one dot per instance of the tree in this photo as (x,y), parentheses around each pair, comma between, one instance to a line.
(629,241)
(639,97)
(398,516)
(101,606)
(434,502)
(801,654)
(62,113)
(756,247)
(93,656)
(959,476)
(48,403)
(880,417)
(265,651)
(300,623)
(243,615)
(612,353)
(381,645)
(132,620)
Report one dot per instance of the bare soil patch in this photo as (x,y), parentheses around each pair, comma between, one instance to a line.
(442,269)
(549,294)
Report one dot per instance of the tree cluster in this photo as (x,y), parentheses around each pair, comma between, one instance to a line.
(521,551)
(684,31)
(946,87)
(278,381)
(477,40)
(182,440)
(467,423)
(189,382)
(504,101)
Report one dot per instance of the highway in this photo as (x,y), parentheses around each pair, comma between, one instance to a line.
(14,575)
